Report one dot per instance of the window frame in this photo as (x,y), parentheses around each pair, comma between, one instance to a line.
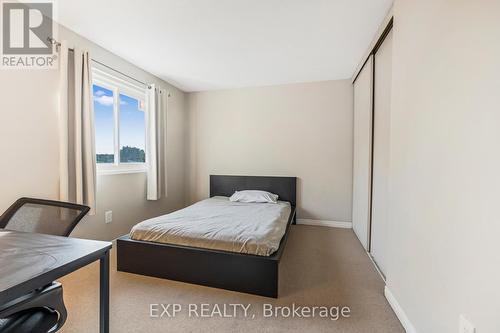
(119,86)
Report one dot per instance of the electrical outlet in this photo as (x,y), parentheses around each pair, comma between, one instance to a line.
(466,326)
(108,216)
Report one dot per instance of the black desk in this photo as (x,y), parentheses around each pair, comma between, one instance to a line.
(29,261)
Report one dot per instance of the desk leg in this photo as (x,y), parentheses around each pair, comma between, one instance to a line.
(104,294)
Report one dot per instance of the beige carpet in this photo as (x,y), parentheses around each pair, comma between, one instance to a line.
(321,267)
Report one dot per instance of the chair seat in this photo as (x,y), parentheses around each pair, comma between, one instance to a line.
(37,320)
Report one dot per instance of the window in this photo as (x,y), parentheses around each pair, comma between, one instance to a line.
(132,130)
(104,124)
(120,124)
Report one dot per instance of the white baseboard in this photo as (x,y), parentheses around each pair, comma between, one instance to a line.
(398,310)
(324,223)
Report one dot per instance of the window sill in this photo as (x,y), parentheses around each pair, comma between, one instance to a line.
(120,171)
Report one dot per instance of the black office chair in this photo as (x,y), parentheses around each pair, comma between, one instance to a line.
(42,310)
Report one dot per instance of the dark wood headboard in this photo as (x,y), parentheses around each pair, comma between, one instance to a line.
(284,187)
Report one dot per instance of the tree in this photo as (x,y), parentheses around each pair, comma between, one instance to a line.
(132,155)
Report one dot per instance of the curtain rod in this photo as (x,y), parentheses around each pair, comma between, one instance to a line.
(58,44)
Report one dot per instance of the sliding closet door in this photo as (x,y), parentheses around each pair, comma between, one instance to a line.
(381,137)
(362,152)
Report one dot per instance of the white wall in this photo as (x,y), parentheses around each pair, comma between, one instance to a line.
(29,147)
(445,164)
(302,130)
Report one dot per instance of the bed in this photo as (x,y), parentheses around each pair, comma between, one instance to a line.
(239,262)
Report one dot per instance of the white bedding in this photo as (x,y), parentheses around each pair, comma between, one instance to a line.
(217,223)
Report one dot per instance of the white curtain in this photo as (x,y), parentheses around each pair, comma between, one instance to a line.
(156,143)
(77,161)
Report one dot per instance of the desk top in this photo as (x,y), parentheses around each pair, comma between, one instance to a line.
(29,261)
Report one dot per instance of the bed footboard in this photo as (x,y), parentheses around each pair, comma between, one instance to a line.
(233,271)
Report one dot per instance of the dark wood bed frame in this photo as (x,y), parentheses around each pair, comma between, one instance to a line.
(220,269)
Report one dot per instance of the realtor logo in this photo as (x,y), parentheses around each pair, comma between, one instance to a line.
(28,29)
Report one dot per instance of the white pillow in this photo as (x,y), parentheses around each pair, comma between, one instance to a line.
(254,196)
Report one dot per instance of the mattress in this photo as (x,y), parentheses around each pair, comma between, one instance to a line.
(219,224)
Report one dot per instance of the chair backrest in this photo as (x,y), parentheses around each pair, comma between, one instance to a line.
(43,216)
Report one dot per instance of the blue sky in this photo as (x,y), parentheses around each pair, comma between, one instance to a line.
(132,121)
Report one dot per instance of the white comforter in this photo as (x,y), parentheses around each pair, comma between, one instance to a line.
(217,223)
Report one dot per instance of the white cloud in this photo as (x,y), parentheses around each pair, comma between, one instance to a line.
(99,93)
(123,102)
(104,100)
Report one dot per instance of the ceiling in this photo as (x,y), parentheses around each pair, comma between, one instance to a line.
(218,44)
